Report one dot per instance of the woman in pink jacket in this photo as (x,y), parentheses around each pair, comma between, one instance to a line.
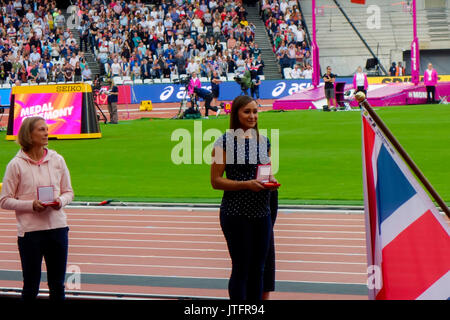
(360,83)
(42,226)
(430,79)
(193,83)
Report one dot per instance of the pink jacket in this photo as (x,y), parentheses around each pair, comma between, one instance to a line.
(22,178)
(194,84)
(434,78)
(366,83)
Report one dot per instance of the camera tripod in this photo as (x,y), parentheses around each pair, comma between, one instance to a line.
(100,110)
(183,104)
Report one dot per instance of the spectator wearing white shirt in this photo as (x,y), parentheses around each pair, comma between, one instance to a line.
(30,16)
(74,59)
(283,6)
(35,56)
(296,73)
(307,72)
(115,68)
(192,67)
(213,4)
(300,35)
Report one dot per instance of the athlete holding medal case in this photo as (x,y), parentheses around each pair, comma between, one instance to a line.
(46,196)
(263,174)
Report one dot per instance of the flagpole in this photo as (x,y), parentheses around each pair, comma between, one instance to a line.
(315,49)
(361,98)
(415,52)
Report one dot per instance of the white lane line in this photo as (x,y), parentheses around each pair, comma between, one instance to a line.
(194,267)
(277,231)
(191,258)
(213,222)
(189,228)
(184,241)
(212,250)
(214,215)
(212,210)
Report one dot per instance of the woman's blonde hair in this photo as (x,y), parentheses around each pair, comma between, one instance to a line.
(24,136)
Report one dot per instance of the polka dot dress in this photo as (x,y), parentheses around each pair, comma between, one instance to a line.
(243,157)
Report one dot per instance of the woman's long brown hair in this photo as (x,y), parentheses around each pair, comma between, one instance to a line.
(238,103)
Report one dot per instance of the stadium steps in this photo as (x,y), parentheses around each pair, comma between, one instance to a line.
(438,26)
(272,68)
(92,62)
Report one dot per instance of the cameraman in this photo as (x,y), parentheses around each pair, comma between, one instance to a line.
(207,96)
(245,81)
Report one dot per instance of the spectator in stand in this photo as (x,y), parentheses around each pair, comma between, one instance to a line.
(291,53)
(296,73)
(33,74)
(146,70)
(231,42)
(68,72)
(259,65)
(77,72)
(42,74)
(284,61)
(58,74)
(307,72)
(116,68)
(86,74)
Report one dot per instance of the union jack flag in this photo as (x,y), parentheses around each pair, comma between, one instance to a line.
(408,240)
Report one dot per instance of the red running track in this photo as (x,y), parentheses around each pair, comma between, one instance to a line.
(182,252)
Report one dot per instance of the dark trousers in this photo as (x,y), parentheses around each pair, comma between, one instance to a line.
(431,90)
(254,92)
(269,269)
(248,244)
(208,100)
(52,245)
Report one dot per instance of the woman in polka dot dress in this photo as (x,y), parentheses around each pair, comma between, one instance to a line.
(245,209)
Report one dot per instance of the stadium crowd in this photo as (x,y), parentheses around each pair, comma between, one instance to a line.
(171,38)
(286,29)
(35,47)
(131,39)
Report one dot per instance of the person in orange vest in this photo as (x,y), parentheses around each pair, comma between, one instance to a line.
(400,70)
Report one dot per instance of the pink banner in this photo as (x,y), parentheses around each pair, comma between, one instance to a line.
(61,111)
(124,95)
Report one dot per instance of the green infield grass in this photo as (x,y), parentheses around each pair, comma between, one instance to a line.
(319,156)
